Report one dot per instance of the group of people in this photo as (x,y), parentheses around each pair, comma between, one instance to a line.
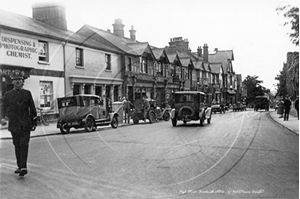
(128,106)
(284,107)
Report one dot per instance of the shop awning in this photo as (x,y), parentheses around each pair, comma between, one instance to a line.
(231,92)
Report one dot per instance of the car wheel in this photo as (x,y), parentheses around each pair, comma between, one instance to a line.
(152,118)
(174,121)
(114,122)
(89,124)
(64,129)
(135,119)
(166,116)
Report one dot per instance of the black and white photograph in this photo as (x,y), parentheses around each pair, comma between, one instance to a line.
(136,99)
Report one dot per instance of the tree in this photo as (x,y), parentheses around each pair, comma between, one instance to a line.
(254,88)
(289,76)
(292,16)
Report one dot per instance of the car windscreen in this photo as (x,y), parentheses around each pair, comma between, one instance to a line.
(180,98)
(66,102)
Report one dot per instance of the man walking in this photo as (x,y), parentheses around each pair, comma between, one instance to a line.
(19,109)
(287,107)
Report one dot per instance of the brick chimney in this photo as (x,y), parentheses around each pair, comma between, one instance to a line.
(51,13)
(199,51)
(132,34)
(205,53)
(118,28)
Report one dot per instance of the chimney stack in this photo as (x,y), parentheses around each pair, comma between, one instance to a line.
(132,34)
(118,28)
(199,51)
(51,13)
(205,53)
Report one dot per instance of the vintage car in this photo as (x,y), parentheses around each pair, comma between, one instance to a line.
(84,111)
(216,108)
(190,105)
(138,112)
(238,107)
(261,102)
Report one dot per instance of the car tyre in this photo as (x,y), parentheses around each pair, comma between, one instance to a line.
(152,118)
(89,124)
(174,121)
(114,123)
(64,129)
(166,116)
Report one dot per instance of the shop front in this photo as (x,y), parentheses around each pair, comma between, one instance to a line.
(6,82)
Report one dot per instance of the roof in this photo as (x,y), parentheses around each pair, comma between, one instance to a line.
(215,67)
(119,42)
(198,64)
(222,56)
(140,48)
(30,25)
(158,52)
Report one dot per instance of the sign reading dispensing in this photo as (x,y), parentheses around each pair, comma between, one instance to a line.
(18,47)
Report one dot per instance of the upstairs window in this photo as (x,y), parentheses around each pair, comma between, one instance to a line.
(43,51)
(79,57)
(107,62)
(144,68)
(129,64)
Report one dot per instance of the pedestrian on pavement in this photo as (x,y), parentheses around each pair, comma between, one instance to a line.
(19,110)
(297,106)
(287,107)
(146,107)
(280,108)
(126,108)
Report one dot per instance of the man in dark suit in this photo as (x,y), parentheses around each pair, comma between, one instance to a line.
(19,109)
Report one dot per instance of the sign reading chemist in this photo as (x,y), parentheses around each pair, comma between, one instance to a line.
(13,48)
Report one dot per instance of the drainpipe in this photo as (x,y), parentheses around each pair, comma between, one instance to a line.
(64,43)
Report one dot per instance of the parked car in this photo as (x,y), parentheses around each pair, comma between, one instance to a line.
(261,102)
(138,112)
(190,105)
(238,107)
(84,111)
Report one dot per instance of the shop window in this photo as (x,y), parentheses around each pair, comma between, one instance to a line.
(43,51)
(76,89)
(87,89)
(79,57)
(46,94)
(107,62)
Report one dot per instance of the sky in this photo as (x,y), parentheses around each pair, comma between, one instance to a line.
(251,28)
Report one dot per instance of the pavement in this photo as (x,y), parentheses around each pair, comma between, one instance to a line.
(292,124)
(51,129)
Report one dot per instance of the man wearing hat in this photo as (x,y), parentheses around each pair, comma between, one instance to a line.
(19,109)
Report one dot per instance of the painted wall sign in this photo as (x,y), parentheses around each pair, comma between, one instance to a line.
(18,49)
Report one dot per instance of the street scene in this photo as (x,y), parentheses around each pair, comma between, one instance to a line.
(131,99)
(239,155)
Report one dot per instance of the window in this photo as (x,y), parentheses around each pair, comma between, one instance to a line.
(144,68)
(46,94)
(76,89)
(87,89)
(79,57)
(107,62)
(129,64)
(43,51)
